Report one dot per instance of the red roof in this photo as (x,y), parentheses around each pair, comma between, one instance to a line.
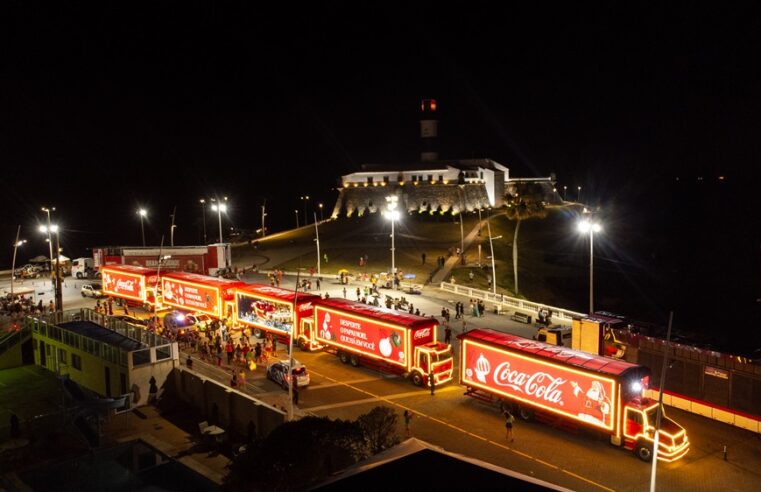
(590,362)
(137,270)
(380,313)
(221,283)
(286,295)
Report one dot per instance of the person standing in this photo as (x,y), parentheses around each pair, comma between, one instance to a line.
(423,257)
(509,420)
(431,382)
(295,392)
(344,292)
(407,418)
(189,363)
(447,334)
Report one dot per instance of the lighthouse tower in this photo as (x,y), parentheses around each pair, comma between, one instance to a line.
(429,130)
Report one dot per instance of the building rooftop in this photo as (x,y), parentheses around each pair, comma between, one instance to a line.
(104,335)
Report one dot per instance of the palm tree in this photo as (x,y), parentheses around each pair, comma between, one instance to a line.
(520,207)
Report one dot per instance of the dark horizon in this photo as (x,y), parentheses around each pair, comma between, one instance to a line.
(106,110)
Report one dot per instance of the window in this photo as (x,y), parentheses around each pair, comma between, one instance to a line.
(370,179)
(441,177)
(123,383)
(385,179)
(62,356)
(430,177)
(76,362)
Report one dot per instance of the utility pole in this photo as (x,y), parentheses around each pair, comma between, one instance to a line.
(660,402)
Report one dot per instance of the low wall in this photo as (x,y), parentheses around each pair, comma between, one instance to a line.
(230,409)
(714,412)
(506,303)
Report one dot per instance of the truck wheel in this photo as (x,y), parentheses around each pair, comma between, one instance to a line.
(343,357)
(354,360)
(644,452)
(258,333)
(526,414)
(303,345)
(79,275)
(417,379)
(83,294)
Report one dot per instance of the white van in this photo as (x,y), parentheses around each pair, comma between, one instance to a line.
(82,268)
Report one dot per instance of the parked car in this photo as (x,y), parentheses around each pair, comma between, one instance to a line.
(92,290)
(131,319)
(278,372)
(28,271)
(179,319)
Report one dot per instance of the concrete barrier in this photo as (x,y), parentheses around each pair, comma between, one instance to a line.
(232,410)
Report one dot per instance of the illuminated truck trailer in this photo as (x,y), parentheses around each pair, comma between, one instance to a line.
(381,338)
(137,285)
(263,308)
(199,293)
(548,383)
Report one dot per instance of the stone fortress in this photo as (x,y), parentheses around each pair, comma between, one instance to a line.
(432,185)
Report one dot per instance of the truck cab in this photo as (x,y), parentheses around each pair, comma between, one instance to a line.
(433,357)
(640,416)
(82,268)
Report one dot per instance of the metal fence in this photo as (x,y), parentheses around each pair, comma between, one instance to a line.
(507,303)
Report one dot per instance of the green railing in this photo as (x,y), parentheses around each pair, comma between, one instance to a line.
(9,340)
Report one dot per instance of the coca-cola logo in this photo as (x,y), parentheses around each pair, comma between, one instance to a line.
(424,333)
(128,285)
(539,384)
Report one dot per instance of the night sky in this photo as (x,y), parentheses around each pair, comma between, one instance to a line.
(107,108)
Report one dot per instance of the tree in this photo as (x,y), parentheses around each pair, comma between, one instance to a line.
(525,204)
(297,455)
(379,428)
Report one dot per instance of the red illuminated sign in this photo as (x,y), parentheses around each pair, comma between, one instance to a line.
(191,296)
(577,394)
(123,284)
(377,339)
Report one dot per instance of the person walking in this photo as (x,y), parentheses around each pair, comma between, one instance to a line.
(423,257)
(229,350)
(447,334)
(509,420)
(431,382)
(258,353)
(407,418)
(295,393)
(344,292)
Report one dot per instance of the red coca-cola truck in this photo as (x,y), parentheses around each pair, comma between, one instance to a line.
(263,308)
(394,342)
(562,386)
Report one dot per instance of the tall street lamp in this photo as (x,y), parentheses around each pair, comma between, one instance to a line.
(578,195)
(392,214)
(58,294)
(172,227)
(305,199)
(493,267)
(142,213)
(317,238)
(297,217)
(320,205)
(462,241)
(219,208)
(565,192)
(203,215)
(13,266)
(50,240)
(591,227)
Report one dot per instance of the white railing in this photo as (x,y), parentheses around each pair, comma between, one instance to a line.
(507,303)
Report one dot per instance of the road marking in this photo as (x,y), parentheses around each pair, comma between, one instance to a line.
(387,399)
(374,399)
(354,381)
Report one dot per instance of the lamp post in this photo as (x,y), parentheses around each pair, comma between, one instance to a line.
(565,192)
(142,213)
(202,201)
(392,214)
(317,238)
(171,229)
(462,241)
(320,206)
(58,294)
(264,214)
(578,195)
(493,267)
(297,217)
(591,227)
(305,199)
(50,240)
(219,208)
(13,266)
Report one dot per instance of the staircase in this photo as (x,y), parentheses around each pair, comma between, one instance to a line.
(10,344)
